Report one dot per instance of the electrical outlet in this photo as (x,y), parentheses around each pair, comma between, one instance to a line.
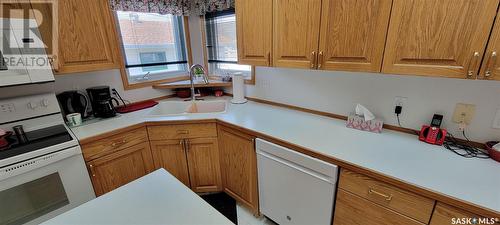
(496,122)
(464,113)
(400,101)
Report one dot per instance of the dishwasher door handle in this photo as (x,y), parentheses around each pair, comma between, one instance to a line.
(297,167)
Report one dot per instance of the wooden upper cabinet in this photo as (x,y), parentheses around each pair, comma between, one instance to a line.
(296,33)
(114,170)
(353,34)
(171,155)
(87,37)
(490,70)
(15,9)
(438,38)
(254,29)
(203,164)
(239,167)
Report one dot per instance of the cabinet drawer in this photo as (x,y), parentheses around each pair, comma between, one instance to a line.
(404,202)
(166,132)
(354,210)
(114,143)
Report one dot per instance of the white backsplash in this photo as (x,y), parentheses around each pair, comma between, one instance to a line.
(112,78)
(339,92)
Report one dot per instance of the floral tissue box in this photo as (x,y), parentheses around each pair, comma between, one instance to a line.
(358,122)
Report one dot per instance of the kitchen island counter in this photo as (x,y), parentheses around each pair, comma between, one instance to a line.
(157,198)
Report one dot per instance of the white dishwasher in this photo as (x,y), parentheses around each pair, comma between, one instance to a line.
(294,188)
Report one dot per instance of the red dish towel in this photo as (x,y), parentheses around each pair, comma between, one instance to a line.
(136,106)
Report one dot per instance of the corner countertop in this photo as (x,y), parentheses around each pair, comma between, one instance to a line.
(394,154)
(157,198)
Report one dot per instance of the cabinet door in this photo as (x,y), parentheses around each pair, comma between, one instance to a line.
(491,68)
(254,29)
(438,38)
(239,167)
(443,215)
(116,169)
(353,34)
(15,9)
(203,164)
(171,155)
(351,209)
(87,37)
(296,33)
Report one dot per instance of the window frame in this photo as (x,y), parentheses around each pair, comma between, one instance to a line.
(123,68)
(250,81)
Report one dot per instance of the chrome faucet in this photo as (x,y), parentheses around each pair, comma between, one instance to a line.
(192,72)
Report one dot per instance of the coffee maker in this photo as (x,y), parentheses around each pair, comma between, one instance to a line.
(103,105)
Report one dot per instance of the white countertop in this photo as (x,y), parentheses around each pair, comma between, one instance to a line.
(157,198)
(394,154)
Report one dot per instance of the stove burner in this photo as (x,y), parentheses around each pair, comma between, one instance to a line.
(37,139)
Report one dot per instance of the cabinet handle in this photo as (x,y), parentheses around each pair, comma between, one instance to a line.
(187,145)
(182,132)
(472,65)
(491,65)
(320,60)
(91,167)
(385,196)
(114,144)
(181,143)
(313,60)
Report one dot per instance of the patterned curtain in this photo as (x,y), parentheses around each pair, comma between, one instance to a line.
(175,7)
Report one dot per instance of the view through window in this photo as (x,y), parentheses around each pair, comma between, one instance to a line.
(153,44)
(221,44)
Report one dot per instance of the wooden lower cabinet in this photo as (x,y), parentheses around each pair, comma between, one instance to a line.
(171,155)
(195,162)
(351,209)
(447,215)
(116,169)
(203,164)
(239,166)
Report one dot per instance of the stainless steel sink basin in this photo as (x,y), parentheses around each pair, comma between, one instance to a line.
(169,108)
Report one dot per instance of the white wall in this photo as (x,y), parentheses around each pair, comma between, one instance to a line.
(112,78)
(338,93)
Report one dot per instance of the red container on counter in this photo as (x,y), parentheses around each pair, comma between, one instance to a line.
(494,153)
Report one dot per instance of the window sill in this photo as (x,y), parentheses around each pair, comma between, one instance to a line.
(128,86)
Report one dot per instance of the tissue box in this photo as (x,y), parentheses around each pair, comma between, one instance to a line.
(358,122)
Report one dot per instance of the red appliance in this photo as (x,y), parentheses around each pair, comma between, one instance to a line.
(433,134)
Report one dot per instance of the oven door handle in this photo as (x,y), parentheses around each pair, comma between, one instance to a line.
(35,163)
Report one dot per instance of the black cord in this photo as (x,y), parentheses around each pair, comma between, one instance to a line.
(463,149)
(115,92)
(399,121)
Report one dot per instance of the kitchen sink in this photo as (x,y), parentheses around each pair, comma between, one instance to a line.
(187,107)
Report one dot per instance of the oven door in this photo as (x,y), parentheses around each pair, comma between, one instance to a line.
(36,190)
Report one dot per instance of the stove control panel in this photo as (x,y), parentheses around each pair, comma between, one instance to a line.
(15,109)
